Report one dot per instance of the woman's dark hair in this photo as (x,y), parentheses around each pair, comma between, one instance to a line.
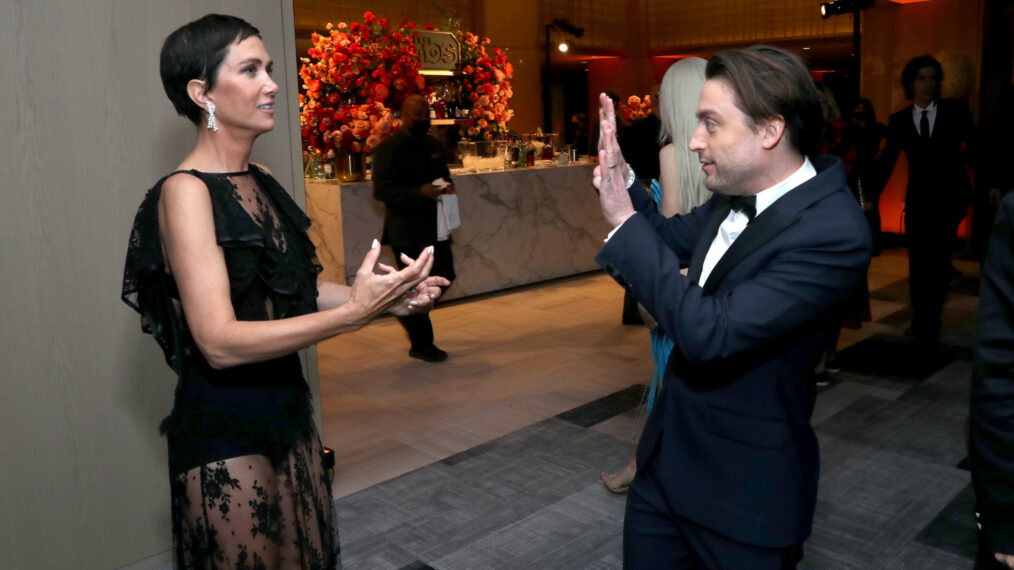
(912,69)
(196,51)
(868,112)
(770,82)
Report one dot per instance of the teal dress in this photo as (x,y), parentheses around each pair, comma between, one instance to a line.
(661,344)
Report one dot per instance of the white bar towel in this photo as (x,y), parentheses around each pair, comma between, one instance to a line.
(447,216)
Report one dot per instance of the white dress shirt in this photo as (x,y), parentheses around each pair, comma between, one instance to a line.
(736,222)
(931,116)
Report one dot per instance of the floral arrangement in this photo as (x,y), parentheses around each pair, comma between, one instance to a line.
(635,108)
(352,77)
(487,83)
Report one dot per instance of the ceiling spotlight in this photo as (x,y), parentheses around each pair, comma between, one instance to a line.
(563,47)
(836,7)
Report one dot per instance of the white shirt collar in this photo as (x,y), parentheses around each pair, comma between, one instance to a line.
(768,196)
(932,107)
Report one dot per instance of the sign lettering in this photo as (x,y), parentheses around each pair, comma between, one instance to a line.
(438,50)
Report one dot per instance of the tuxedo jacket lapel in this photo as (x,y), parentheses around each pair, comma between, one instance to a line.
(758,232)
(707,236)
(773,220)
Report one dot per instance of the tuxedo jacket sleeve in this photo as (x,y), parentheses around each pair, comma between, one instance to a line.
(787,286)
(992,400)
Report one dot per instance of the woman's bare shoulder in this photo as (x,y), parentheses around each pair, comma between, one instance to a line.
(668,150)
(183,183)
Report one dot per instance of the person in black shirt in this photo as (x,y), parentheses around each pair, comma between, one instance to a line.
(405,168)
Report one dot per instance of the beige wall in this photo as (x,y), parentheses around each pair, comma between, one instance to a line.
(515,26)
(85,130)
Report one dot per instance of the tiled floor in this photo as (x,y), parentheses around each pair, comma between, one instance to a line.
(516,359)
(491,459)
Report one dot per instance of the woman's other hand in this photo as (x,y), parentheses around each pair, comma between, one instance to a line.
(372,293)
(420,298)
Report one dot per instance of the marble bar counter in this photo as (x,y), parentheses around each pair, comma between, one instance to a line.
(517,227)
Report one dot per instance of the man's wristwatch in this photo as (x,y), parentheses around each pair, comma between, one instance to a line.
(630,176)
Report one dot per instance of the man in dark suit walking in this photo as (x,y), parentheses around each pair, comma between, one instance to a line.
(935,134)
(728,461)
(991,449)
(404,169)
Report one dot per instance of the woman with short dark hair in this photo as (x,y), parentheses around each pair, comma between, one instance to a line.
(225,278)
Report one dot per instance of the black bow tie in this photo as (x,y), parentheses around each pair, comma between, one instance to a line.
(745,205)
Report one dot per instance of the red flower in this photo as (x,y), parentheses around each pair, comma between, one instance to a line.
(369,18)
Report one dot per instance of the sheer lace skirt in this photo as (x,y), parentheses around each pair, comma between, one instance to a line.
(244,512)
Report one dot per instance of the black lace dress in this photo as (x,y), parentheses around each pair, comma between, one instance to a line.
(247,483)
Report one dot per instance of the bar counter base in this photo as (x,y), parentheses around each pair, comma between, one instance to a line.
(517,227)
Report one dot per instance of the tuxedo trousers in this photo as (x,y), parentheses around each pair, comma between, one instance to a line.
(930,237)
(656,537)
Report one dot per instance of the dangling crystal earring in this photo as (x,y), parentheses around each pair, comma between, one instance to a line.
(212,123)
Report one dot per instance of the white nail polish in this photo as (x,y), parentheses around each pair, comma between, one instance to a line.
(375,245)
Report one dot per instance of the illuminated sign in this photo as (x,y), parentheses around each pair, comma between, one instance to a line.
(438,50)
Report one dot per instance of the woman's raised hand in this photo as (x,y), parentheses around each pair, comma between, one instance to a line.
(373,293)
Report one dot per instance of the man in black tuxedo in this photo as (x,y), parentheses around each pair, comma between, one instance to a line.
(728,461)
(991,450)
(404,169)
(935,134)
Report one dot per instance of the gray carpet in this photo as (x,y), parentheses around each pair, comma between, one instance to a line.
(894,489)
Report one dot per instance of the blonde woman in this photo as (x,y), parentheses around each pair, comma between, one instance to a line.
(679,190)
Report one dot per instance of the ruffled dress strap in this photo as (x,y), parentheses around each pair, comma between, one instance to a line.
(147,286)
